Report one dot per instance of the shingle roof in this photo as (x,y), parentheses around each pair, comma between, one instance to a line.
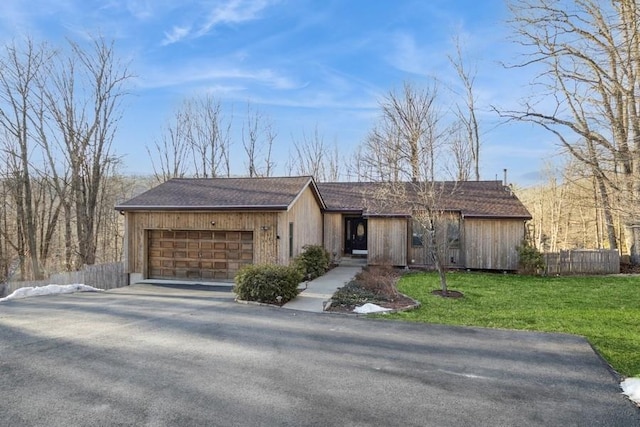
(221,194)
(470,198)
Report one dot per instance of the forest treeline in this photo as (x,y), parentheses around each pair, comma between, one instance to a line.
(60,107)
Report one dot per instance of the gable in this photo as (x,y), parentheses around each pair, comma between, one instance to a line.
(223,194)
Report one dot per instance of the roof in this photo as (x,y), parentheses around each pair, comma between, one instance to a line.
(489,199)
(223,194)
(480,199)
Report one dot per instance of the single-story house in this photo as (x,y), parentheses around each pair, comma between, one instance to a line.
(207,229)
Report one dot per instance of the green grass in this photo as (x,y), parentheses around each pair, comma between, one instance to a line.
(604,309)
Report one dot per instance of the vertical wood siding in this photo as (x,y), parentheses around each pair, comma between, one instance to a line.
(387,241)
(491,243)
(334,234)
(264,241)
(306,216)
(451,254)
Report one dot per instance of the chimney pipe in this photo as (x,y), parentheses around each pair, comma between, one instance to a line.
(505,177)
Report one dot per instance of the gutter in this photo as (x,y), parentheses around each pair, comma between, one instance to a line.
(124,208)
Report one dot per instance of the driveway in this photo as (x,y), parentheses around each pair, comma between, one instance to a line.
(155,356)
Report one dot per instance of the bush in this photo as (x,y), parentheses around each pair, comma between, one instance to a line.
(380,280)
(313,261)
(353,294)
(530,259)
(265,283)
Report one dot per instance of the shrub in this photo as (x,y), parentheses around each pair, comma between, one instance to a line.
(313,261)
(265,283)
(530,259)
(353,294)
(380,280)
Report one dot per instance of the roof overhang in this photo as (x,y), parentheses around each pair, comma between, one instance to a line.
(520,217)
(226,208)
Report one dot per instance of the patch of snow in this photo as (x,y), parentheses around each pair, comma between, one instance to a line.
(370,308)
(48,290)
(631,388)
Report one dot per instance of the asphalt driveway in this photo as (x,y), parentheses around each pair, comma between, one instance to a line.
(149,355)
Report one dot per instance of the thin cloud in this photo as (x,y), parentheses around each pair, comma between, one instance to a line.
(231,12)
(234,12)
(410,56)
(175,35)
(215,73)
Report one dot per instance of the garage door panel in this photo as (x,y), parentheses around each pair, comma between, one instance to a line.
(193,255)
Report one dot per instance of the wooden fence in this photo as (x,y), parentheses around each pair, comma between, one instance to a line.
(577,261)
(101,276)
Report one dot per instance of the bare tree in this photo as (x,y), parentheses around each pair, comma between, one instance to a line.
(208,133)
(589,57)
(258,136)
(20,68)
(196,142)
(84,99)
(406,136)
(170,151)
(314,156)
(460,152)
(401,151)
(467,114)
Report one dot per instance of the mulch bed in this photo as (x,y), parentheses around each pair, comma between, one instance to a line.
(376,285)
(399,303)
(449,294)
(629,269)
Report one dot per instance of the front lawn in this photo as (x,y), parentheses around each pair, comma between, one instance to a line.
(604,309)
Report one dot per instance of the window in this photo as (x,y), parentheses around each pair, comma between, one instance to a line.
(417,234)
(290,240)
(453,234)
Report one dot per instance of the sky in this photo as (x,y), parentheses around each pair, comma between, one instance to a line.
(304,64)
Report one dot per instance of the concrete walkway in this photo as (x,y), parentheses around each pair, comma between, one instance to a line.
(321,289)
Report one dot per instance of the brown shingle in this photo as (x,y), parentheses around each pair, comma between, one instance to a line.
(470,198)
(220,193)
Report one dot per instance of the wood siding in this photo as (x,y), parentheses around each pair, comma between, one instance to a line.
(490,244)
(451,250)
(306,216)
(387,243)
(264,241)
(334,234)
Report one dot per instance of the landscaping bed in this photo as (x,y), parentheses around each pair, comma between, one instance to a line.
(375,285)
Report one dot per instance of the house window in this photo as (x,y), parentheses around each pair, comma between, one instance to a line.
(290,240)
(417,234)
(453,234)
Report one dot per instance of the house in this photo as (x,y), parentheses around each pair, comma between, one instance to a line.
(483,224)
(207,229)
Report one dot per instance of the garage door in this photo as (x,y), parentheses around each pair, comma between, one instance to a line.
(198,255)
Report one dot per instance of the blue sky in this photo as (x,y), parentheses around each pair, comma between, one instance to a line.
(302,63)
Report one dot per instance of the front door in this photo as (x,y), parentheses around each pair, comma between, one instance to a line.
(355,236)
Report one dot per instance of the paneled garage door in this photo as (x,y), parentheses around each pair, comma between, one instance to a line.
(198,255)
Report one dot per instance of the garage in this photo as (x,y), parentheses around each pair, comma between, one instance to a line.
(198,254)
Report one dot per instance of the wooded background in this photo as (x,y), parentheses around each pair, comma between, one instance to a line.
(60,107)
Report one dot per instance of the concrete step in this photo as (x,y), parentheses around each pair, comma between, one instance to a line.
(353,262)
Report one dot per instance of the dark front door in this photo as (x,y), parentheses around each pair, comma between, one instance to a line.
(355,236)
